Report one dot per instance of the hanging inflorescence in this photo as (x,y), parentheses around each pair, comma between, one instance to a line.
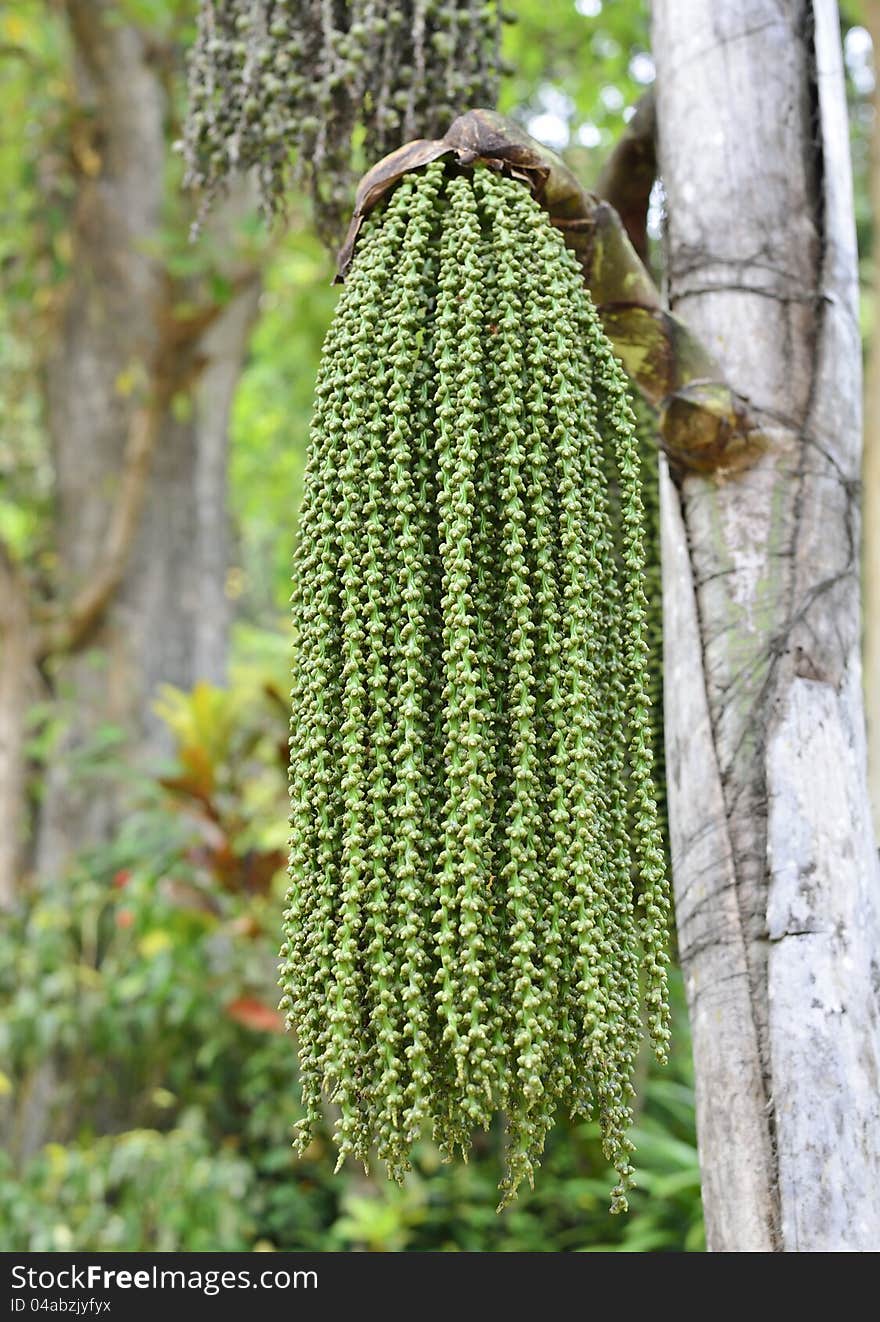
(478,910)
(649,444)
(287,86)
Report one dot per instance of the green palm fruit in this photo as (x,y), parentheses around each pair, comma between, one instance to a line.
(288,86)
(646,428)
(478,908)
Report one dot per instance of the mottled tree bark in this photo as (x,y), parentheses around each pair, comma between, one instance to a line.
(775,865)
(871,459)
(17,690)
(125,359)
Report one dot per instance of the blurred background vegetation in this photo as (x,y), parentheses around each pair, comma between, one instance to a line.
(147,1090)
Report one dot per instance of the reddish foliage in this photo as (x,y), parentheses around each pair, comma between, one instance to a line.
(256,1015)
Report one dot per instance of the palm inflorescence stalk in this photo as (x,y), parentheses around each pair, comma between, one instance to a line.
(478,908)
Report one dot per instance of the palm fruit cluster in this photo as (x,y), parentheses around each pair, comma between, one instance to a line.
(312,77)
(649,445)
(478,909)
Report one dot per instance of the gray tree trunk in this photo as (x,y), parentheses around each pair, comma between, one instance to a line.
(17,692)
(123,352)
(871,460)
(775,865)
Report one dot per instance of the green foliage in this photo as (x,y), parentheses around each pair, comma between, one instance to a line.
(477,872)
(33,257)
(271,78)
(573,69)
(137,1001)
(160,1192)
(270,420)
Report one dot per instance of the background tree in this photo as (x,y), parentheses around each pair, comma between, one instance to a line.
(139,386)
(139,371)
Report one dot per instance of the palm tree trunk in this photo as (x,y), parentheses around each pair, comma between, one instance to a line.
(775,865)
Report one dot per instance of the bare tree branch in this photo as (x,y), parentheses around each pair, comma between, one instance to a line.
(79,620)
